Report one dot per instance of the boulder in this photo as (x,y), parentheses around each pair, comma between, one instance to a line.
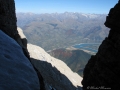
(16,71)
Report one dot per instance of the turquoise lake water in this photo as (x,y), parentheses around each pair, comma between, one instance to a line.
(93,47)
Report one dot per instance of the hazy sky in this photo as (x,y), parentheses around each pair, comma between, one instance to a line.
(60,6)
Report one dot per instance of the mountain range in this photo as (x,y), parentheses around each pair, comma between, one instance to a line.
(61,30)
(57,31)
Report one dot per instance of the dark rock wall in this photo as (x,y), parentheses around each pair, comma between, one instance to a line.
(8,22)
(103,70)
(8,17)
(16,72)
(8,25)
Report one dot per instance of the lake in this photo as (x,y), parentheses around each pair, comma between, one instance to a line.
(91,47)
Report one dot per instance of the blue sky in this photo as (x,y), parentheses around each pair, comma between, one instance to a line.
(60,6)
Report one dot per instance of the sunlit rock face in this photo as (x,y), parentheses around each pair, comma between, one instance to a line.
(56,74)
(16,72)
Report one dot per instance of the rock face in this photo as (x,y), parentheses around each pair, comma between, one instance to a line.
(8,22)
(15,69)
(16,72)
(56,74)
(103,69)
(22,41)
(22,37)
(8,17)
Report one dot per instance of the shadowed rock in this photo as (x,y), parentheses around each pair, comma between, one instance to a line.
(16,72)
(8,17)
(103,70)
(8,22)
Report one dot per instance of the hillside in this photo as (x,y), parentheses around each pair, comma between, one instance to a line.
(75,59)
(56,74)
(60,30)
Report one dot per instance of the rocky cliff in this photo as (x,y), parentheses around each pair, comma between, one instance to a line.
(16,72)
(20,72)
(103,70)
(8,22)
(56,74)
(8,17)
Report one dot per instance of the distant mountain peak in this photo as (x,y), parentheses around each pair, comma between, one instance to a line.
(91,15)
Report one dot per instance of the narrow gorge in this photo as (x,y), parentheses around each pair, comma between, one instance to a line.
(25,66)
